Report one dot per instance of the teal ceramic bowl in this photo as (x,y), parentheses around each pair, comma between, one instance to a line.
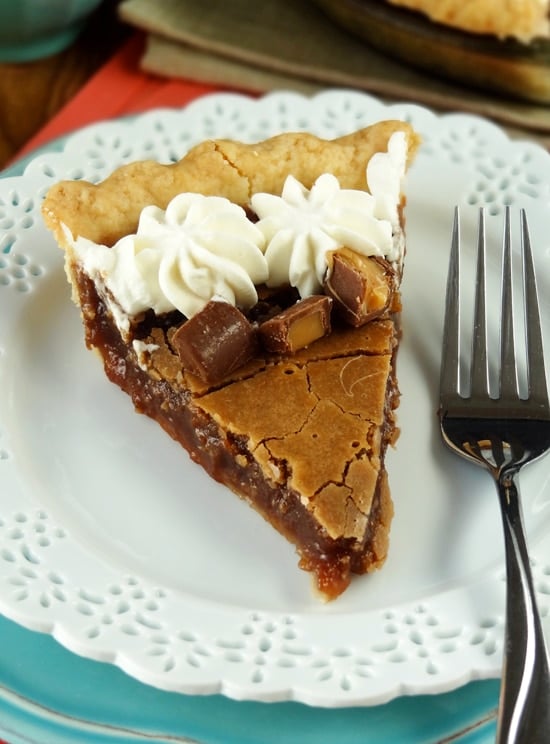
(32,29)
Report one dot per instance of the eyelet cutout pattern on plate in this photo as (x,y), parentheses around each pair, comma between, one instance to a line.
(110,611)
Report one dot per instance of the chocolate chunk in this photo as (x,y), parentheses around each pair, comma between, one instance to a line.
(361,286)
(272,301)
(298,325)
(215,341)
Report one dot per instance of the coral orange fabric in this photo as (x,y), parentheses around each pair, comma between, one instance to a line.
(118,88)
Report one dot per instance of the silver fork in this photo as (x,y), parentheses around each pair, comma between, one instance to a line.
(503,430)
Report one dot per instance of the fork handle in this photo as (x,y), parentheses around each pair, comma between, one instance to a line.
(524,707)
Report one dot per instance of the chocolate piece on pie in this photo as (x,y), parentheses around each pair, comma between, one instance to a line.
(298,325)
(300,433)
(361,286)
(215,341)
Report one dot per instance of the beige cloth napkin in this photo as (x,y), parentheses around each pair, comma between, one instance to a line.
(292,45)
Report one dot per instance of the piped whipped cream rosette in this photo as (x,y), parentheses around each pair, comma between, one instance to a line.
(341,245)
(303,227)
(199,248)
(344,243)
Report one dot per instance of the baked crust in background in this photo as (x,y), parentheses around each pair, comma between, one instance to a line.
(520,19)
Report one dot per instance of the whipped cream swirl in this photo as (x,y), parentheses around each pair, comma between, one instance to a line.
(385,172)
(204,247)
(302,227)
(200,248)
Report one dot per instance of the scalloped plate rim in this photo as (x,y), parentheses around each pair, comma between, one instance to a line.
(239,689)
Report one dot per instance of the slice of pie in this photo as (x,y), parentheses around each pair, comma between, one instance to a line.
(247,299)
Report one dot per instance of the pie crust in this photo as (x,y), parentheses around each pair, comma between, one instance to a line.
(300,436)
(521,19)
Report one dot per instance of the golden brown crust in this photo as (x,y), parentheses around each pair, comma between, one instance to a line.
(106,212)
(520,19)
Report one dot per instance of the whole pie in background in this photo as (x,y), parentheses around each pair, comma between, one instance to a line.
(501,47)
(525,20)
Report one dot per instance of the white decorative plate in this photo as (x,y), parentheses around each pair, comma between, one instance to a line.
(115,543)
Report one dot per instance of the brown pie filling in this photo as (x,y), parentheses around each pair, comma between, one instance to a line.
(187,409)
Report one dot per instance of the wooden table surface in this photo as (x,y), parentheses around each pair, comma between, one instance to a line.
(32,92)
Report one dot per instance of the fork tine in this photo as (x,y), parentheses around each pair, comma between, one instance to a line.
(503,435)
(450,358)
(508,381)
(479,371)
(536,374)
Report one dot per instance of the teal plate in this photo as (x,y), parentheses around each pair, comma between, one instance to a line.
(49,695)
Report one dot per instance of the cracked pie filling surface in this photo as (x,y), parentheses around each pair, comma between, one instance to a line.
(247,299)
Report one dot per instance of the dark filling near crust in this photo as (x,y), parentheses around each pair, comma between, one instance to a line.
(227,459)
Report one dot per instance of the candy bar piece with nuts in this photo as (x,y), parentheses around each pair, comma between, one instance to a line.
(298,325)
(215,341)
(361,286)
